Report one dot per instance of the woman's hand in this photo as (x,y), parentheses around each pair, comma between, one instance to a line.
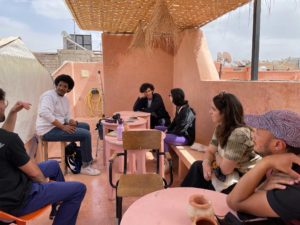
(207,170)
(218,159)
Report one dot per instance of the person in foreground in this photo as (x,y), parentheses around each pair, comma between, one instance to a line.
(54,122)
(230,153)
(152,103)
(181,131)
(24,185)
(277,138)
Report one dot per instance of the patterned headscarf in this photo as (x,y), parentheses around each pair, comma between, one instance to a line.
(283,124)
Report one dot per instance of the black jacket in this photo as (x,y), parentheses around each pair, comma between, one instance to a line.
(184,123)
(157,109)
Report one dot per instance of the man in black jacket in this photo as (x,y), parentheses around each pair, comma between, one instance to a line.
(152,102)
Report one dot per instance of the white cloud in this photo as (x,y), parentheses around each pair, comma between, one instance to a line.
(54,9)
(33,40)
(279,33)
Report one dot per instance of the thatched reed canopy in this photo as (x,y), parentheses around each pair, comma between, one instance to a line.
(123,16)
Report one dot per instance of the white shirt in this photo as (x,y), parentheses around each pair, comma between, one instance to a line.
(51,107)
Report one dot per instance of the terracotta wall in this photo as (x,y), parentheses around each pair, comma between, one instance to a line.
(86,76)
(256,97)
(126,70)
(245,74)
(191,69)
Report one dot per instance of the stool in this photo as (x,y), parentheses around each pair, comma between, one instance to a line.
(42,152)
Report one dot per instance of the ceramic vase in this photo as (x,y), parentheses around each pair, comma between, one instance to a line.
(200,211)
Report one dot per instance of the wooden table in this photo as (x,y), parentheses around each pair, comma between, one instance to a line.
(169,206)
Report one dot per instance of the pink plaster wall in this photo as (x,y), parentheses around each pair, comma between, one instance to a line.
(126,70)
(190,69)
(83,84)
(256,97)
(245,74)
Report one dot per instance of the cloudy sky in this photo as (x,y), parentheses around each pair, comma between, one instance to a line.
(40,22)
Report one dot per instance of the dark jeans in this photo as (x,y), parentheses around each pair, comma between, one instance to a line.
(195,178)
(70,193)
(82,134)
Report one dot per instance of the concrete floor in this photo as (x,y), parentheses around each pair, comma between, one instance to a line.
(96,208)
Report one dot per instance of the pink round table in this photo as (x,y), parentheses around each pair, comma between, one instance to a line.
(144,115)
(169,206)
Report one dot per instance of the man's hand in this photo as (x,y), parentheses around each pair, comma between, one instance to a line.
(19,106)
(276,181)
(283,163)
(69,128)
(10,122)
(73,122)
(207,170)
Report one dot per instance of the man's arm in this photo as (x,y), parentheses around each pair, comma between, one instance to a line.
(10,121)
(244,196)
(34,172)
(138,105)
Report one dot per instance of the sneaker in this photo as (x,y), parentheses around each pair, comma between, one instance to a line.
(89,170)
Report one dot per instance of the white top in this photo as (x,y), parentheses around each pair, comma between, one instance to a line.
(51,107)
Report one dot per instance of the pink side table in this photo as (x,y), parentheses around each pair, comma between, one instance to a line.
(140,123)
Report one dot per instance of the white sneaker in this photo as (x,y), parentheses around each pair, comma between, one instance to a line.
(89,170)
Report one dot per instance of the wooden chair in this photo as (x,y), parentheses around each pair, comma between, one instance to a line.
(134,185)
(42,152)
(22,220)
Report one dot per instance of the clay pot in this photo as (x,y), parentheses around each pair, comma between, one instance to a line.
(205,221)
(200,210)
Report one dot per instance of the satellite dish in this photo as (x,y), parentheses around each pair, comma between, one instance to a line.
(227,57)
(219,57)
(65,34)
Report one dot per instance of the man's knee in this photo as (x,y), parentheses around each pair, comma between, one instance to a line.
(53,164)
(196,165)
(79,188)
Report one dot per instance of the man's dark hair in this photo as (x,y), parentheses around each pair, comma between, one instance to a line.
(65,78)
(145,86)
(2,95)
(178,97)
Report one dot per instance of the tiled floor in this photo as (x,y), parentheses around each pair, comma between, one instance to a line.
(96,208)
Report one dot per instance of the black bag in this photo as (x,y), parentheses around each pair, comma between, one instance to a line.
(73,157)
(247,219)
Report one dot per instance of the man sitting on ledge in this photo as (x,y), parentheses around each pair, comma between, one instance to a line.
(277,137)
(24,185)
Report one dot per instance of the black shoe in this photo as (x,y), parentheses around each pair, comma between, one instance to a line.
(54,211)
